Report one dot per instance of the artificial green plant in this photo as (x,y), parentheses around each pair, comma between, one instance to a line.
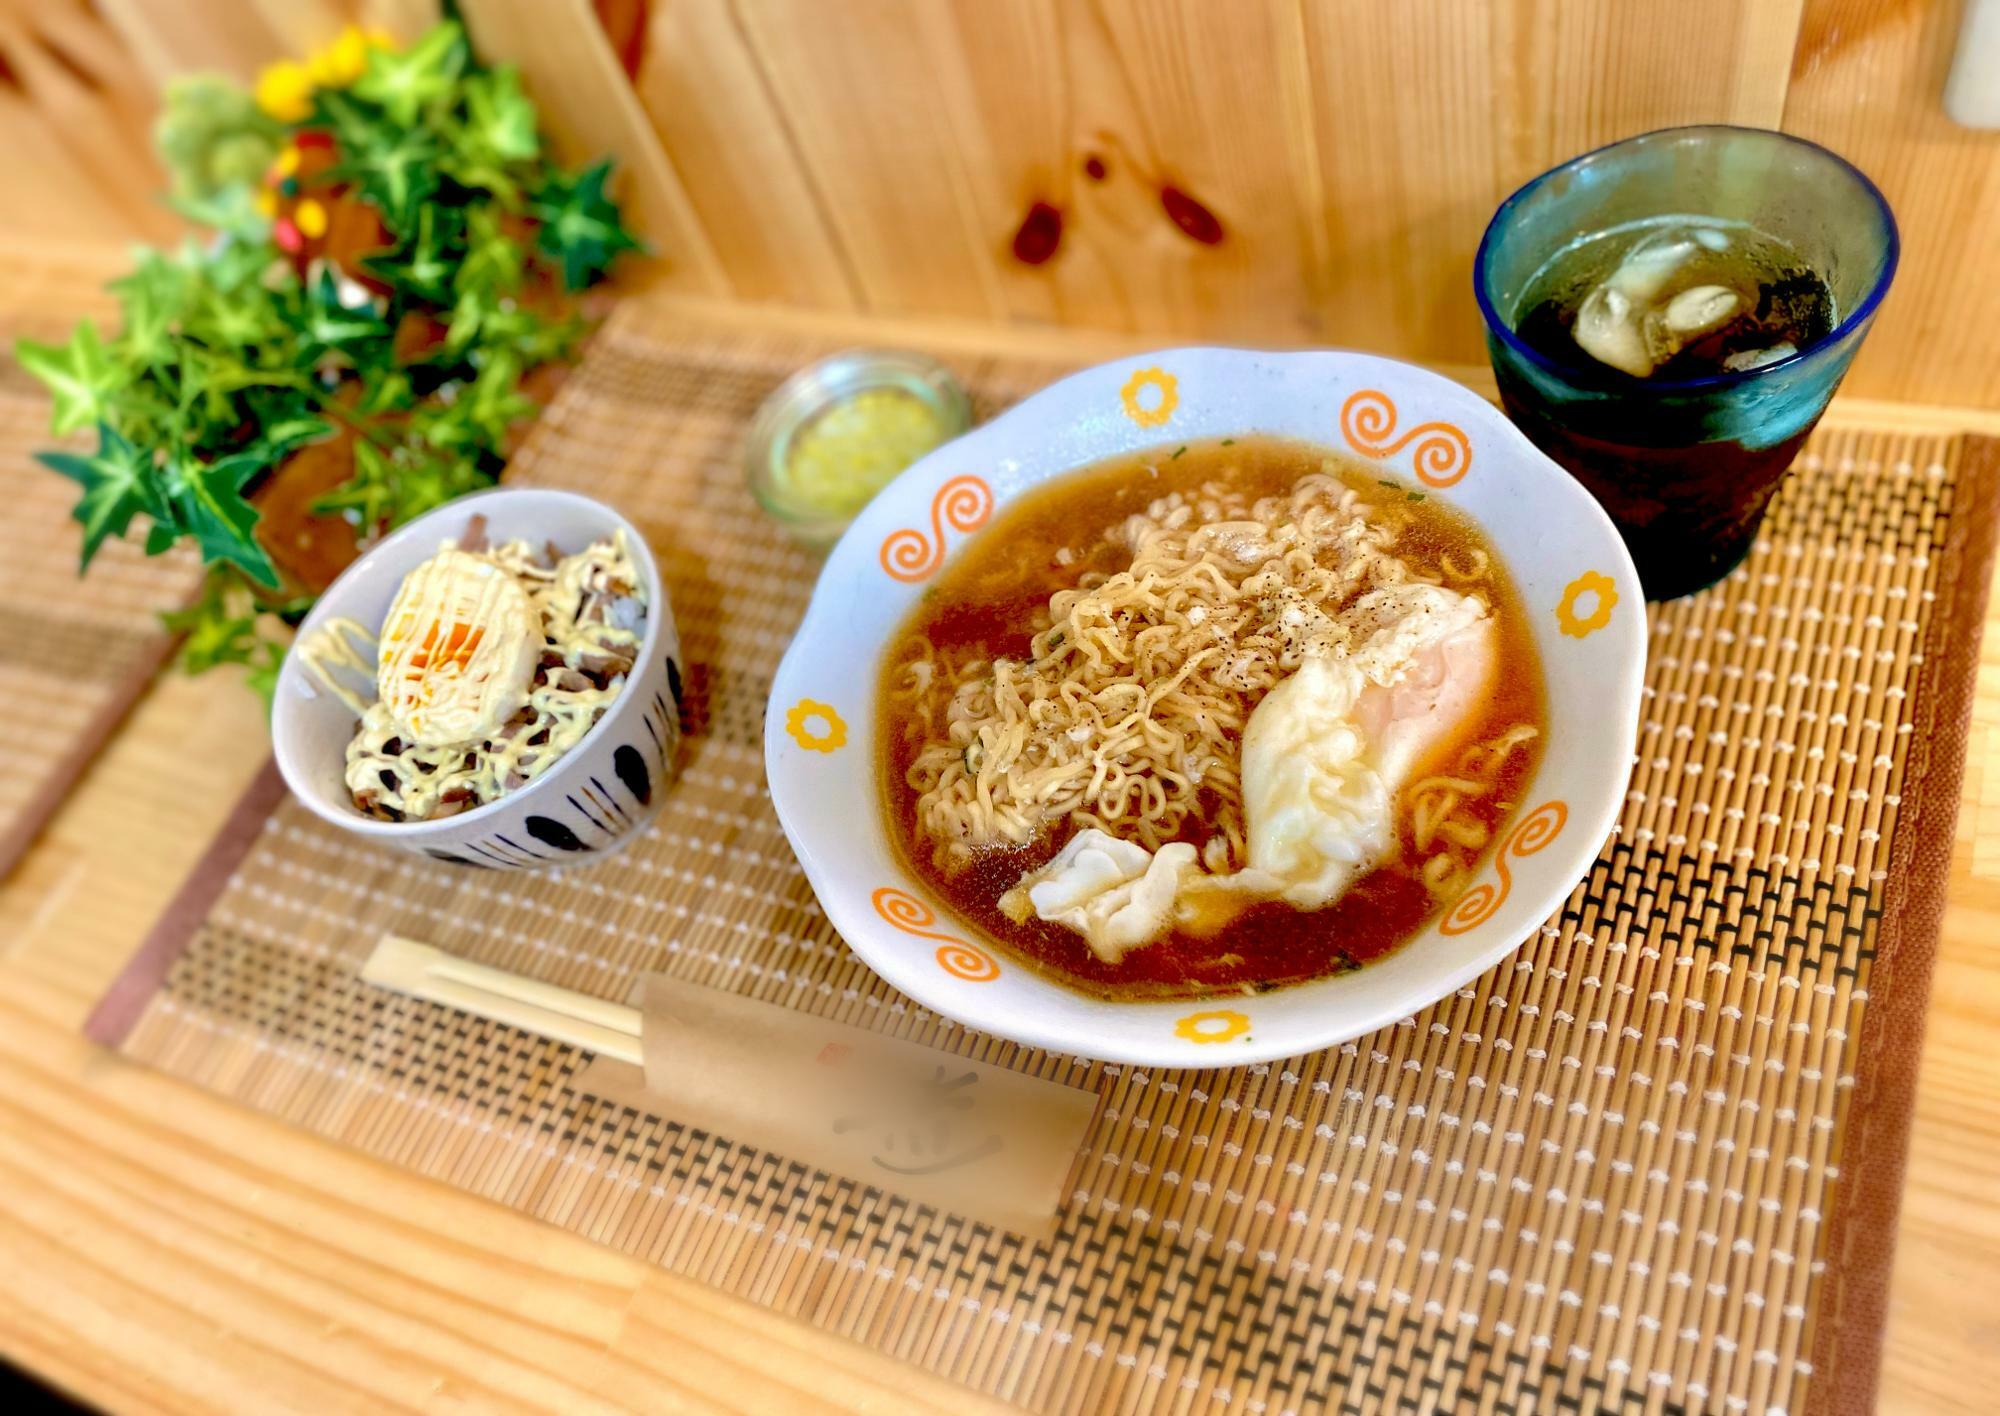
(393,251)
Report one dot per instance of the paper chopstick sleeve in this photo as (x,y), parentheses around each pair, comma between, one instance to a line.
(965,1136)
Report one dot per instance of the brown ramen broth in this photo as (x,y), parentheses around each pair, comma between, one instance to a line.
(992,600)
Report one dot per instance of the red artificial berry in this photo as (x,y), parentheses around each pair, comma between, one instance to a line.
(287,236)
(313,138)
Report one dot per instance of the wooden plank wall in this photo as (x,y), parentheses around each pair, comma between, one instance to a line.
(1867,81)
(882,155)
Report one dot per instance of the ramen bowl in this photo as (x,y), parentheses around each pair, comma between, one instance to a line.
(593,799)
(1578,590)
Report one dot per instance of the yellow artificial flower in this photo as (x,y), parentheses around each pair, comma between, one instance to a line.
(340,63)
(284,164)
(310,217)
(284,90)
(267,202)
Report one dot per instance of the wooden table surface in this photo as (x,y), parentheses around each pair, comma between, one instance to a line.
(163,1249)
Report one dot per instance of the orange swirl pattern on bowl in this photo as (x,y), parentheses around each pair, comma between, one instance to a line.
(1443,452)
(911,915)
(962,960)
(963,503)
(1534,831)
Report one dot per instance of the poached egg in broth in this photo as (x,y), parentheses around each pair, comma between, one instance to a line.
(1324,755)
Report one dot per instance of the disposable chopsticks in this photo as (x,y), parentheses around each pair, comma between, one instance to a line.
(424,971)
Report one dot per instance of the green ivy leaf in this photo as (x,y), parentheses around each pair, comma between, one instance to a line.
(428,480)
(238,313)
(399,175)
(389,392)
(391,486)
(532,338)
(231,323)
(328,326)
(207,498)
(487,279)
(216,630)
(118,482)
(473,421)
(496,138)
(208,412)
(393,164)
(422,262)
(80,374)
(279,437)
(493,402)
(580,228)
(501,114)
(264,670)
(404,83)
(221,627)
(154,299)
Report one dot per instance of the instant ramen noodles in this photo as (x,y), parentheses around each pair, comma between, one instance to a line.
(1210,719)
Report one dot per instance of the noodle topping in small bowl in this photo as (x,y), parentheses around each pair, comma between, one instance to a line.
(493,662)
(495,684)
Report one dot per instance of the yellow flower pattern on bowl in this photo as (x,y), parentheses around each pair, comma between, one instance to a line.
(1162,408)
(1218,1025)
(830,735)
(1603,591)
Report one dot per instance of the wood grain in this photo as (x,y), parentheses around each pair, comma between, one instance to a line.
(910,141)
(47,194)
(864,98)
(1410,184)
(1866,82)
(188,1255)
(708,99)
(880,154)
(589,111)
(83,93)
(1196,98)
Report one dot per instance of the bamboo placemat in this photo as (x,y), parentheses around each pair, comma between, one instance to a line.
(74,652)
(1651,1162)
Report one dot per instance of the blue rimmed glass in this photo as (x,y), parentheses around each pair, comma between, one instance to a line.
(1686,468)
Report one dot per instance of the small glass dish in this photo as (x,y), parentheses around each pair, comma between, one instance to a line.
(819,389)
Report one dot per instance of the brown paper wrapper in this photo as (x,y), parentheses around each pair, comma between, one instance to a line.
(970,1138)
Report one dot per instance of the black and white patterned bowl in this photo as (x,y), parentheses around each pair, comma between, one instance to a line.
(595,798)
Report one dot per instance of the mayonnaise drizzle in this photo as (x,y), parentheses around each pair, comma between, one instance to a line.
(338,644)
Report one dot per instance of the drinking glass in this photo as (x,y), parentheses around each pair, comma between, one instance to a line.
(1686,467)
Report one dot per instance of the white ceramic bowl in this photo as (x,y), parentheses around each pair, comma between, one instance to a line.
(593,799)
(1576,581)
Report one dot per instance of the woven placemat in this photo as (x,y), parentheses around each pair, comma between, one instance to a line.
(79,651)
(1650,1162)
